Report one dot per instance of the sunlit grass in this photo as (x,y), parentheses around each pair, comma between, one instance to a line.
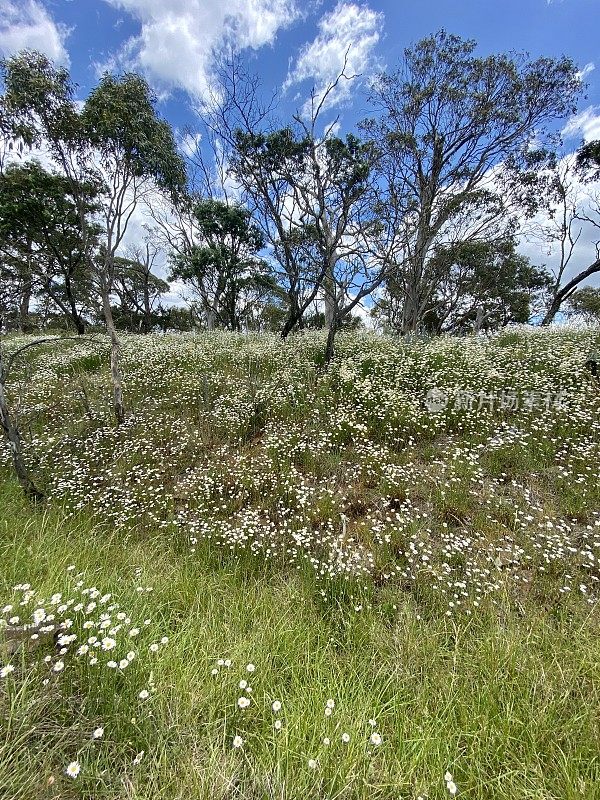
(433,574)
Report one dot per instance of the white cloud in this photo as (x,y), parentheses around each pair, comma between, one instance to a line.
(27,25)
(347,34)
(585,71)
(178,39)
(189,143)
(585,125)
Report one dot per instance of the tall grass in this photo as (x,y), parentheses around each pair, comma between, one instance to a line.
(500,688)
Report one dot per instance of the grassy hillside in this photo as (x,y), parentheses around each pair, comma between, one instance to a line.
(412,537)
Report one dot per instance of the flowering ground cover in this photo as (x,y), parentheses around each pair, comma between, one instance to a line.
(274,581)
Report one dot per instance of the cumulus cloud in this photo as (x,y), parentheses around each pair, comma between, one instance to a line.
(178,39)
(585,125)
(347,36)
(27,25)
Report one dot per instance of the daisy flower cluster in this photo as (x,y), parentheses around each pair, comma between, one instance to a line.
(247,720)
(242,442)
(78,639)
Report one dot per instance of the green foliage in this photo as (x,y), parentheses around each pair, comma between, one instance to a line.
(139,292)
(448,117)
(119,120)
(588,160)
(117,146)
(223,266)
(40,235)
(38,102)
(483,284)
(586,302)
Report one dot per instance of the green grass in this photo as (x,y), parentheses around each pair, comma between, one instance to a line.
(468,639)
(509,705)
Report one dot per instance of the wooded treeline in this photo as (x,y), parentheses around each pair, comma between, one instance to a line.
(273,225)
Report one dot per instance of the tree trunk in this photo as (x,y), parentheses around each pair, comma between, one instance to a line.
(410,317)
(24,303)
(77,319)
(552,311)
(211,319)
(330,346)
(567,290)
(115,359)
(479,318)
(16,446)
(287,327)
(147,320)
(295,316)
(330,300)
(74,313)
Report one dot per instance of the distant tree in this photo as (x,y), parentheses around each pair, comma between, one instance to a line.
(574,201)
(270,316)
(221,263)
(175,318)
(459,133)
(40,235)
(139,290)
(586,302)
(483,285)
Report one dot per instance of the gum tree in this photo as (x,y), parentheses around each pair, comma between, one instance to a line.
(132,154)
(116,141)
(313,194)
(40,236)
(575,202)
(219,261)
(457,130)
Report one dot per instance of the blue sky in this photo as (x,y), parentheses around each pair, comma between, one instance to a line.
(295,45)
(289,43)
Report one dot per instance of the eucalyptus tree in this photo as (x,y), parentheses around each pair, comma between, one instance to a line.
(139,290)
(327,218)
(40,236)
(220,262)
(456,131)
(574,205)
(313,194)
(483,284)
(116,141)
(586,302)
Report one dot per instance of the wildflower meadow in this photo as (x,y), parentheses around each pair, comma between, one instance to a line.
(378,580)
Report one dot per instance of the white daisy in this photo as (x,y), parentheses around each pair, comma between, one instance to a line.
(73,769)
